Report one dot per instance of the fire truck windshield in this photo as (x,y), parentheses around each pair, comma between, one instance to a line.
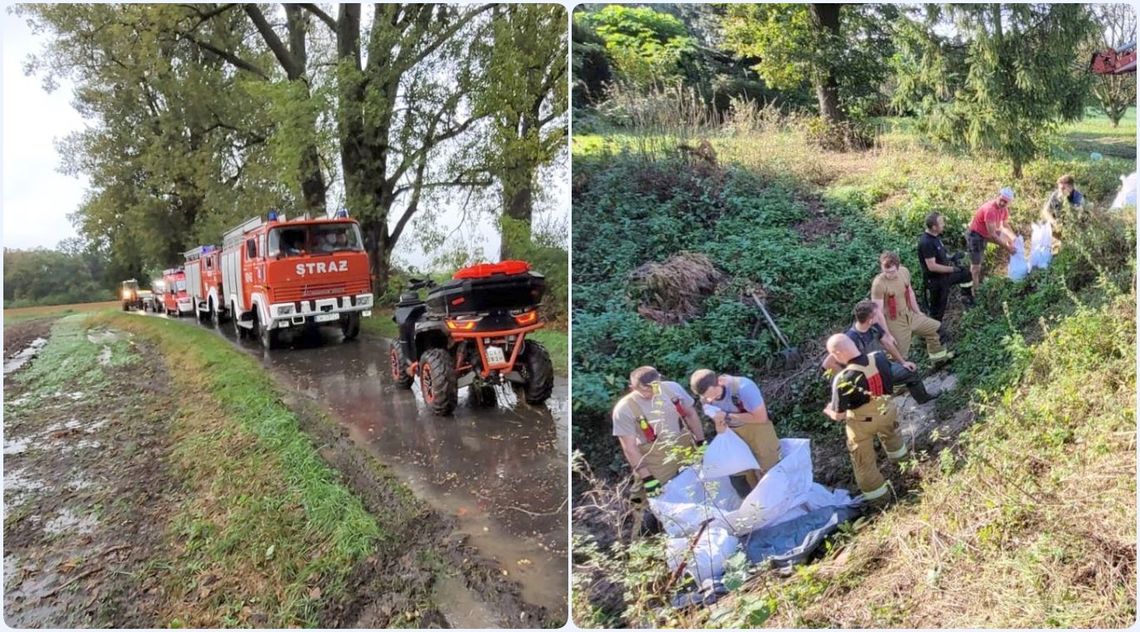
(292,241)
(180,285)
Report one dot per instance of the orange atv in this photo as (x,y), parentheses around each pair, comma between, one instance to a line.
(472,331)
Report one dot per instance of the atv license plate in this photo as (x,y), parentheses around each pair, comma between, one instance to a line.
(495,355)
(326,318)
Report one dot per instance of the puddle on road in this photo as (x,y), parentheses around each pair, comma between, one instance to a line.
(501,472)
(458,604)
(20,359)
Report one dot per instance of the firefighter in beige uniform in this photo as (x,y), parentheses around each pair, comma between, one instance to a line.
(861,397)
(899,312)
(652,419)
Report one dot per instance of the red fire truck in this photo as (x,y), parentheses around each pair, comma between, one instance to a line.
(283,274)
(175,300)
(204,283)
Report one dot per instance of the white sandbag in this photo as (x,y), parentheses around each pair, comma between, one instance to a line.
(1127,194)
(781,490)
(726,455)
(1018,267)
(1041,246)
(709,555)
(687,501)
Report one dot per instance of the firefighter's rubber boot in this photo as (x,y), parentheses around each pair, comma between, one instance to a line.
(919,393)
(941,358)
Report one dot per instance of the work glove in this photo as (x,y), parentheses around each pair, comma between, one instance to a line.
(652,486)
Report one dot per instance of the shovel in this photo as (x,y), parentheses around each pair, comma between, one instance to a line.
(791,355)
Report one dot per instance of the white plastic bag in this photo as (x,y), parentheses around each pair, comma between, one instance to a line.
(710,553)
(726,455)
(1041,246)
(1018,268)
(1126,196)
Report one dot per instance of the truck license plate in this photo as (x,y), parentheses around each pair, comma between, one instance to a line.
(326,318)
(495,355)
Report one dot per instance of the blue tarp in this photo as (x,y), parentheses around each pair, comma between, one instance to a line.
(793,541)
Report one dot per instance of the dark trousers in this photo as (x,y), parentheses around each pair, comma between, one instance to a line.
(939,288)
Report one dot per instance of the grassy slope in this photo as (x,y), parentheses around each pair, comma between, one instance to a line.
(895,186)
(268,524)
(1028,522)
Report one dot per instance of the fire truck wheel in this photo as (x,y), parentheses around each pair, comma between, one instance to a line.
(239,331)
(538,371)
(438,381)
(215,315)
(266,336)
(399,366)
(126,307)
(350,326)
(481,396)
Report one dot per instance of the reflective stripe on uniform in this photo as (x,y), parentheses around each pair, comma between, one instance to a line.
(877,493)
(898,454)
(939,355)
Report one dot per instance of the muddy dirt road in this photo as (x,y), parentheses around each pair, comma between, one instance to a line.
(501,472)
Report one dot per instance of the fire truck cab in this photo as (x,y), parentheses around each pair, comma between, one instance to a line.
(204,283)
(175,300)
(283,274)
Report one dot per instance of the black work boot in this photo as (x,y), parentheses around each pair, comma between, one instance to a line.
(918,392)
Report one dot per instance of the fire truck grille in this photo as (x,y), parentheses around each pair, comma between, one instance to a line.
(313,291)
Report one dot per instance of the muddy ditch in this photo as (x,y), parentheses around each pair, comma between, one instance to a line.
(474,590)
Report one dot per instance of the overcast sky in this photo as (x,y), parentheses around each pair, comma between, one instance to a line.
(37,198)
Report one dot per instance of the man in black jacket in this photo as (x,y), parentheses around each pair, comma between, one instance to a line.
(938,273)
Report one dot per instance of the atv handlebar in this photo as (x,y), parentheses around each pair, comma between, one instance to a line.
(416,284)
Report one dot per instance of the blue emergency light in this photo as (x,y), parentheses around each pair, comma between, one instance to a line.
(273,215)
(342,213)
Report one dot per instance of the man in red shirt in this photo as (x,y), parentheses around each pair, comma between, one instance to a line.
(990,223)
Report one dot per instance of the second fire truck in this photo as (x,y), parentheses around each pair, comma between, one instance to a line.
(281,275)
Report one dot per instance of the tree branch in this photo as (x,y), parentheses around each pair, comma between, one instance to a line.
(273,41)
(321,15)
(233,59)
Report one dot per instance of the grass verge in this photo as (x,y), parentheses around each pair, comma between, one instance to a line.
(269,535)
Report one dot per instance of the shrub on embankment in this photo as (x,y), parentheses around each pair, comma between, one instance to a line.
(805,224)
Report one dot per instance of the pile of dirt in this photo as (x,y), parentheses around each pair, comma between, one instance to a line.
(19,336)
(672,292)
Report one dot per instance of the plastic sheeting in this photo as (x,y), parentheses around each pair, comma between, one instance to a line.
(1018,268)
(704,493)
(792,541)
(1041,246)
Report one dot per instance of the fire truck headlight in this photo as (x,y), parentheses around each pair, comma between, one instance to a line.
(364,300)
(126,294)
(284,310)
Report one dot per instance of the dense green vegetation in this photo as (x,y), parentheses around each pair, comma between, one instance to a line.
(201,116)
(808,225)
(776,195)
(53,277)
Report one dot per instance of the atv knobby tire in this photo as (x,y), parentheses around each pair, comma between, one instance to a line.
(438,381)
(399,365)
(538,373)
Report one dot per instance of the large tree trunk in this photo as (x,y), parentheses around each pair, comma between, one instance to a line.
(826,19)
